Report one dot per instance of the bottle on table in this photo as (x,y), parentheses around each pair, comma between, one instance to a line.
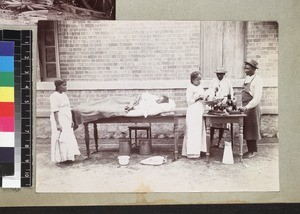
(229,100)
(234,103)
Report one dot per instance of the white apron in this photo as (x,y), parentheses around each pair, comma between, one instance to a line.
(195,136)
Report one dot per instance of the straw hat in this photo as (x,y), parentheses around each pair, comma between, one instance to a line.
(221,70)
(252,62)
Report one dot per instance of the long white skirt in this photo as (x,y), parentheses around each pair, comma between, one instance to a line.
(63,145)
(195,136)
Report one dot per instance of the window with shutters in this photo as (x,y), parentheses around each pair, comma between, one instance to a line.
(48,50)
(222,43)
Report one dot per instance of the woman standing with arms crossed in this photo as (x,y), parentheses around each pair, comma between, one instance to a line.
(64,145)
(194,140)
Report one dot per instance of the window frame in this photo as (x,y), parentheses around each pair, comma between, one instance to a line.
(42,52)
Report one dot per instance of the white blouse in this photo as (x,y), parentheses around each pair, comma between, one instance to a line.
(256,88)
(193,92)
(59,101)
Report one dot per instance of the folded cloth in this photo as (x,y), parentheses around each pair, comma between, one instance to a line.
(154,160)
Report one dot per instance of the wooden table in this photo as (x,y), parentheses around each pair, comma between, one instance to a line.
(172,118)
(233,118)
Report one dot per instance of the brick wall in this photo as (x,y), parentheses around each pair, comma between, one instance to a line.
(110,51)
(262,46)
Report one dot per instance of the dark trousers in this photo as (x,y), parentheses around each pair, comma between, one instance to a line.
(252,145)
(212,132)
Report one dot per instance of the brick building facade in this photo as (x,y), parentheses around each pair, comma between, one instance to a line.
(100,59)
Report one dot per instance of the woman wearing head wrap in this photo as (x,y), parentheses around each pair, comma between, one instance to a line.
(64,145)
(195,136)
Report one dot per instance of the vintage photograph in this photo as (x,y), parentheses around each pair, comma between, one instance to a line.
(157,106)
(31,11)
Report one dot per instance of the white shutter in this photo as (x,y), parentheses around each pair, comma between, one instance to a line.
(222,43)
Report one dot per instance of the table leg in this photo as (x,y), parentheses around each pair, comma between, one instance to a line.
(96,136)
(208,143)
(176,137)
(231,135)
(241,141)
(87,139)
(130,136)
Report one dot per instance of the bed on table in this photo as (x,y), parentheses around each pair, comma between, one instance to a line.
(112,110)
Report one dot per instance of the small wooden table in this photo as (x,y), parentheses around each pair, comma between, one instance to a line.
(137,128)
(224,118)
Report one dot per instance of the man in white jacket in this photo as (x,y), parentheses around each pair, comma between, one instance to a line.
(220,87)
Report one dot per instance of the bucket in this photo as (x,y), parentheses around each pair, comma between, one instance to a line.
(124,147)
(145,147)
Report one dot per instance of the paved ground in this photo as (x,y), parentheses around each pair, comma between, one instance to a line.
(102,173)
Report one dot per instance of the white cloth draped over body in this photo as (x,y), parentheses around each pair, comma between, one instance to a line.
(68,147)
(146,104)
(195,136)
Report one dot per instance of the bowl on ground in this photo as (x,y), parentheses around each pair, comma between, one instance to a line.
(124,160)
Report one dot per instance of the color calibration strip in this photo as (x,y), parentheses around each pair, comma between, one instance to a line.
(22,107)
(7,110)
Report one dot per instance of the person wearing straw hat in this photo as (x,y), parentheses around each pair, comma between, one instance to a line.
(251,96)
(220,87)
(64,145)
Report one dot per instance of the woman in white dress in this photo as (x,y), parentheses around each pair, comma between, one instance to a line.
(64,145)
(195,136)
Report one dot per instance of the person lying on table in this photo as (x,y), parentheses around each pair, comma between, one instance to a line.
(146,100)
(220,87)
(251,96)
